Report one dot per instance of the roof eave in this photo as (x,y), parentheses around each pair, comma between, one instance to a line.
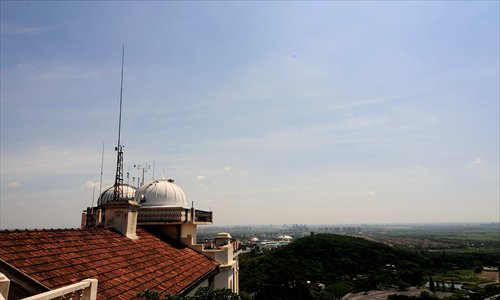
(194,284)
(27,283)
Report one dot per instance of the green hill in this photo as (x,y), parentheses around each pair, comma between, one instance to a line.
(327,266)
(342,263)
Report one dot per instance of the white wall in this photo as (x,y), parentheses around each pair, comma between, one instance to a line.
(4,287)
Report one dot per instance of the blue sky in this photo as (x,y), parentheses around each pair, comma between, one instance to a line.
(264,112)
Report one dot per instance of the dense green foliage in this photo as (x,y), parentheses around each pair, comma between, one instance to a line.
(327,266)
(204,293)
(343,263)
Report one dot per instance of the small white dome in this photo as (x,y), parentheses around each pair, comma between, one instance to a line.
(284,238)
(107,195)
(222,235)
(161,193)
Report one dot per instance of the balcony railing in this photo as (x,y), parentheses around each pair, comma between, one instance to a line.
(234,244)
(93,217)
(83,290)
(162,215)
(201,216)
(166,215)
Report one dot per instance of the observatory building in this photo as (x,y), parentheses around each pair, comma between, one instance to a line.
(133,240)
(145,240)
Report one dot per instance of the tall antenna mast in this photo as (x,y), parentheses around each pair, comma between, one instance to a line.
(102,163)
(92,206)
(118,187)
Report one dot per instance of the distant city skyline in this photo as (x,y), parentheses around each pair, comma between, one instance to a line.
(310,112)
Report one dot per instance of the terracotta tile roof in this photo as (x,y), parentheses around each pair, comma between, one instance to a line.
(123,267)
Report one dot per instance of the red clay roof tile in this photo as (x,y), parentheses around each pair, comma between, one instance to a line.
(123,267)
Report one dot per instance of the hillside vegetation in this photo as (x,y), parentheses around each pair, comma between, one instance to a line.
(327,266)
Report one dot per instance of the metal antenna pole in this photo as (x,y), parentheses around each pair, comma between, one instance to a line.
(145,167)
(92,219)
(121,97)
(92,206)
(118,187)
(154,161)
(102,163)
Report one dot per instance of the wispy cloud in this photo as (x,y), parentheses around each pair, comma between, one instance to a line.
(90,185)
(477,161)
(49,159)
(50,72)
(350,130)
(14,184)
(8,29)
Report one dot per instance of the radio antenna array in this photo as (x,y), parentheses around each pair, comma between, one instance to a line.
(118,187)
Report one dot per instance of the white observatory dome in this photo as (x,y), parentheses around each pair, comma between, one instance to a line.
(107,195)
(161,193)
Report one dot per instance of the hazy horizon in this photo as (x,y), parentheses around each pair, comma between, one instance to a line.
(263,112)
(389,225)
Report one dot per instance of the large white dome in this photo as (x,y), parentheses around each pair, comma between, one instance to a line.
(161,193)
(107,195)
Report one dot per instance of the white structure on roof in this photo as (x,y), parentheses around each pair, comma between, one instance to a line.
(162,205)
(83,290)
(107,195)
(161,193)
(225,251)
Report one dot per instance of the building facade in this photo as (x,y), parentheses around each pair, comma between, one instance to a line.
(145,240)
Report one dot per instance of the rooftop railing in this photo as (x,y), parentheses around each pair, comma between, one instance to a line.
(154,215)
(234,244)
(83,290)
(166,215)
(162,215)
(201,216)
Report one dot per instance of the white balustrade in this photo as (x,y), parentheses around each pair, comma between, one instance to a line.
(83,290)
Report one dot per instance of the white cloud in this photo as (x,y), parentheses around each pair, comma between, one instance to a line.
(477,161)
(200,177)
(371,194)
(13,184)
(6,29)
(25,67)
(50,159)
(90,184)
(227,168)
(39,73)
(309,136)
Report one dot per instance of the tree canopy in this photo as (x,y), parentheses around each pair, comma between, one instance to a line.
(340,264)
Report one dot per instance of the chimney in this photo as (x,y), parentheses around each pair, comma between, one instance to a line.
(122,216)
(222,239)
